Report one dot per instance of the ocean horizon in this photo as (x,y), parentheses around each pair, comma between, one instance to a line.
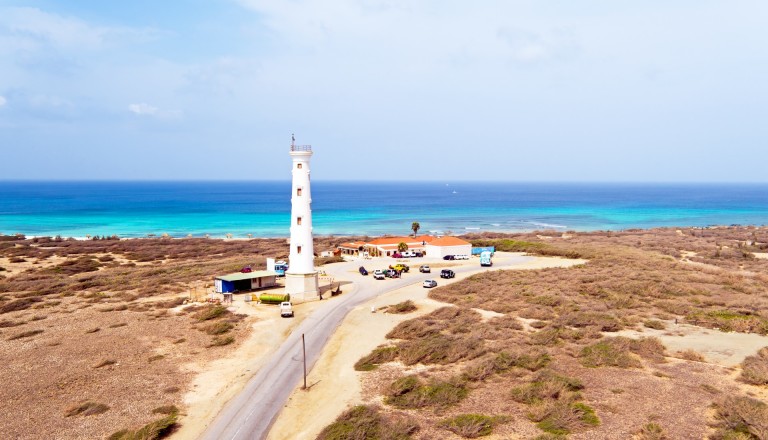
(262,208)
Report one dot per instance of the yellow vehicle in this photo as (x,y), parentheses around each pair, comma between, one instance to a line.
(400,267)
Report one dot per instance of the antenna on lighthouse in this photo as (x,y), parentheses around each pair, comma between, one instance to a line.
(293,141)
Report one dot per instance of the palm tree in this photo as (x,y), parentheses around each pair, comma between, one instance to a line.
(415,226)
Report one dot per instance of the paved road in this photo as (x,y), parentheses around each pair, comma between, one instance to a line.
(251,413)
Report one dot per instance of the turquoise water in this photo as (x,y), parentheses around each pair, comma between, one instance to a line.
(137,209)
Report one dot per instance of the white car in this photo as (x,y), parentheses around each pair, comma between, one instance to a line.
(461,257)
(286,309)
(378,274)
(428,284)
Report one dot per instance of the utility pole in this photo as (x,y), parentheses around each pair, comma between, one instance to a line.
(304,351)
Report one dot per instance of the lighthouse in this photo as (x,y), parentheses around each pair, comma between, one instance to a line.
(301,278)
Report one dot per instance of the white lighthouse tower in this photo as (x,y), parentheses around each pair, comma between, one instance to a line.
(301,278)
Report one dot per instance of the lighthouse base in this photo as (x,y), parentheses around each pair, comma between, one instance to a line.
(302,286)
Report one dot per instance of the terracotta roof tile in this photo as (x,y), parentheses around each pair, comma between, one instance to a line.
(449,241)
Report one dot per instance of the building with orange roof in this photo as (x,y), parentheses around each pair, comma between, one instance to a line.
(426,244)
(440,247)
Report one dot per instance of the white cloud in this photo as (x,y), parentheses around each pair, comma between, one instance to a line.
(24,28)
(3,101)
(143,109)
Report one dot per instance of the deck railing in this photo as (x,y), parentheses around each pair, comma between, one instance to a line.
(301,147)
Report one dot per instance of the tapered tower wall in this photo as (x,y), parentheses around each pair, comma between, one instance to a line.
(301,279)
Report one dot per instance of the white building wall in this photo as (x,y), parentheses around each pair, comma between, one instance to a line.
(441,251)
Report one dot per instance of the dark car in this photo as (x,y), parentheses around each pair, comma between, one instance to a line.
(449,257)
(392,273)
(418,254)
(362,271)
(447,273)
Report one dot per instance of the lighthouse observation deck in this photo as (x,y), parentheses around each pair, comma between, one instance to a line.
(301,148)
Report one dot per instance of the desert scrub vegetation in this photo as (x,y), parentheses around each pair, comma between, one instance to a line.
(157,429)
(366,422)
(378,356)
(25,334)
(729,320)
(406,306)
(410,392)
(741,417)
(754,369)
(652,431)
(87,409)
(621,352)
(554,403)
(472,425)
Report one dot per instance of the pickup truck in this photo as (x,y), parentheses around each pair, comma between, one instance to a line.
(378,274)
(286,309)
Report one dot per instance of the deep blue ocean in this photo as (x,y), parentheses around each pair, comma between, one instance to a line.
(137,209)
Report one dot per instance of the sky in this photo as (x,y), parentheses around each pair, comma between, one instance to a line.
(443,90)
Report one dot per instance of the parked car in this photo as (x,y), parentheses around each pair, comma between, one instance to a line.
(286,309)
(400,267)
(409,254)
(362,271)
(424,269)
(449,257)
(246,269)
(378,274)
(392,273)
(397,255)
(429,284)
(461,257)
(418,254)
(447,273)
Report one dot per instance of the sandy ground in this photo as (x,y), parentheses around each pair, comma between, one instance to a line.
(727,349)
(334,385)
(761,255)
(218,381)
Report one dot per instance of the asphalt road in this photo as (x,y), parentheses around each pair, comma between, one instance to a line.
(251,413)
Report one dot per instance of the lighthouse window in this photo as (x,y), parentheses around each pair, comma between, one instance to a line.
(298,192)
(298,165)
(298,221)
(298,249)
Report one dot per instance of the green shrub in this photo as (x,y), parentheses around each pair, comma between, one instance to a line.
(609,352)
(210,312)
(377,357)
(152,431)
(563,417)
(547,385)
(365,422)
(440,349)
(410,392)
(652,431)
(471,425)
